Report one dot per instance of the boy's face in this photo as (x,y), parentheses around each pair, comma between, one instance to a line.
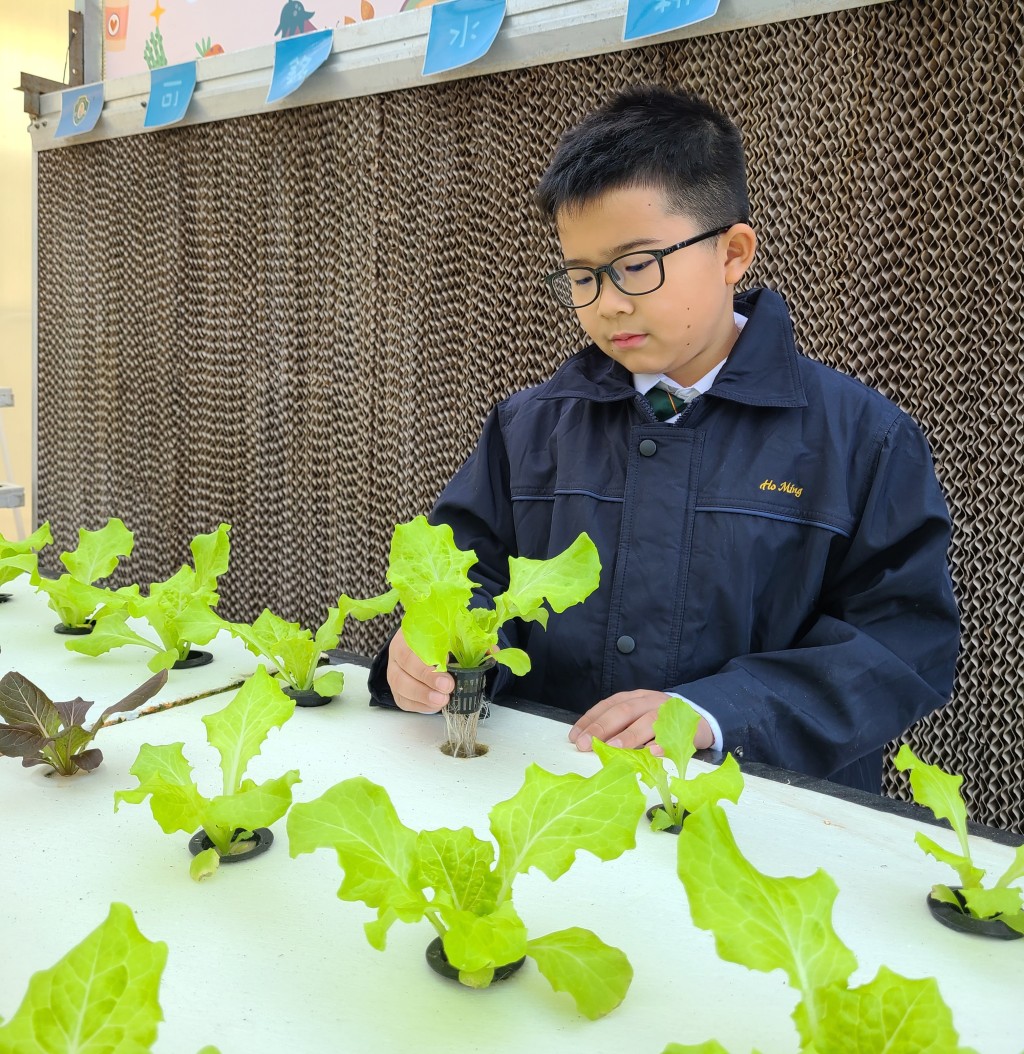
(686,327)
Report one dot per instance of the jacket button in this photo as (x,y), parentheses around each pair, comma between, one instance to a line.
(625,644)
(648,447)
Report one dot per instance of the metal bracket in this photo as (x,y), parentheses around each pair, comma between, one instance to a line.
(34,86)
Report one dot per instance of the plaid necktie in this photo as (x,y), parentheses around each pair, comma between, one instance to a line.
(663,404)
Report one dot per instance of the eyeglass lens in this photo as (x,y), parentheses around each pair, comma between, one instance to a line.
(634,274)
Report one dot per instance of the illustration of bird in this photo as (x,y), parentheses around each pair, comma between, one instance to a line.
(294,20)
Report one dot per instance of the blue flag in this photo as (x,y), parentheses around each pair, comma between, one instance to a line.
(295,58)
(647,18)
(170,92)
(79,110)
(461,32)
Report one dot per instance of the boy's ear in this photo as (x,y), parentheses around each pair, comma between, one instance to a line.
(740,243)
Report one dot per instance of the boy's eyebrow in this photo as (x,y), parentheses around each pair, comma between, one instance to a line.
(618,250)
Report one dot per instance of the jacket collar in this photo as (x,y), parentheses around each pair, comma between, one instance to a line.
(762,368)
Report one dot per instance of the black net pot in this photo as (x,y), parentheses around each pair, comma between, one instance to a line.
(75,631)
(958,918)
(438,962)
(674,829)
(306,697)
(468,695)
(262,839)
(195,658)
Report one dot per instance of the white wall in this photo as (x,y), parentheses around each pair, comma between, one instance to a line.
(33,39)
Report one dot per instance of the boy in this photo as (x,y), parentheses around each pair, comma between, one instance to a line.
(772,534)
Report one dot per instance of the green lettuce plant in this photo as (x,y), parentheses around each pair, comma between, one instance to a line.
(767,924)
(100,997)
(940,792)
(74,596)
(463,887)
(237,733)
(429,577)
(294,651)
(12,553)
(42,732)
(674,729)
(178,610)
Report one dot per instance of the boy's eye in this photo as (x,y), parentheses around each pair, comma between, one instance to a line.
(635,266)
(581,281)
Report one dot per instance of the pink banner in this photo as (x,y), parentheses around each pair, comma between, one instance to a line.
(140,35)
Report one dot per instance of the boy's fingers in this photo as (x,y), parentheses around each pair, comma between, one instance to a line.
(415,685)
(625,719)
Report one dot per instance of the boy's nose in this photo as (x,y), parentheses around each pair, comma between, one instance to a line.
(611,300)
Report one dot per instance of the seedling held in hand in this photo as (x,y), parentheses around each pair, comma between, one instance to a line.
(229,819)
(429,576)
(42,732)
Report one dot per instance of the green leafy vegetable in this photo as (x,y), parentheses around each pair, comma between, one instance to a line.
(237,733)
(429,576)
(74,596)
(674,729)
(42,732)
(17,558)
(464,888)
(767,924)
(100,998)
(295,651)
(177,610)
(940,792)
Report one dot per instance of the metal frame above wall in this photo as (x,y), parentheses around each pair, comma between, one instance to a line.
(386,54)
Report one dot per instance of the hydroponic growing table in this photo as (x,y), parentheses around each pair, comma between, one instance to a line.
(264,957)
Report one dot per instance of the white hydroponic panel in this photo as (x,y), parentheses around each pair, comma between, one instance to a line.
(264,957)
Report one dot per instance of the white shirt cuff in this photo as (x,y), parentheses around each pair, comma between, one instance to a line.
(716,729)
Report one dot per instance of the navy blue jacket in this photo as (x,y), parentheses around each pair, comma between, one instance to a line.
(778,555)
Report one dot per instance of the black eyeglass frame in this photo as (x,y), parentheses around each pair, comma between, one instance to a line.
(606,269)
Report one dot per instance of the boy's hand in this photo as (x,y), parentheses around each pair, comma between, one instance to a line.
(415,685)
(626,719)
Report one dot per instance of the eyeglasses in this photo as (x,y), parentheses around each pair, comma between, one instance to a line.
(632,273)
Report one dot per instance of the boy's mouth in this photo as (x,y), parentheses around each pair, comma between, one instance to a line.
(628,340)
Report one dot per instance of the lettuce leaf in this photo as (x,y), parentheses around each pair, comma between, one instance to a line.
(674,729)
(101,996)
(294,651)
(761,922)
(430,577)
(43,732)
(888,1013)
(10,566)
(237,733)
(550,818)
(595,974)
(941,792)
(451,877)
(476,944)
(767,923)
(375,849)
(178,610)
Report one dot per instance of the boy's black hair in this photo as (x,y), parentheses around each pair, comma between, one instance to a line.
(649,136)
